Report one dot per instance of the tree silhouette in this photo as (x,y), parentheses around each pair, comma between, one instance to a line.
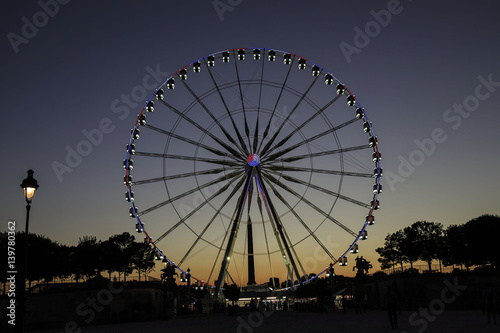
(66,264)
(42,258)
(124,245)
(390,253)
(422,240)
(408,244)
(456,246)
(387,257)
(143,259)
(48,259)
(428,239)
(481,235)
(86,258)
(469,244)
(399,247)
(109,251)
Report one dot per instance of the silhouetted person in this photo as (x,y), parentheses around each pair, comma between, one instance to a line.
(262,306)
(490,303)
(253,305)
(391,302)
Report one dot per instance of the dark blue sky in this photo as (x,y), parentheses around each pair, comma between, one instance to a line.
(429,67)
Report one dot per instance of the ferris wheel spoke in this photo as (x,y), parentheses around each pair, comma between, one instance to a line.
(179,175)
(247,130)
(277,168)
(298,128)
(228,176)
(274,217)
(207,110)
(311,139)
(297,258)
(214,216)
(235,153)
(220,248)
(294,258)
(305,200)
(323,190)
(238,134)
(256,132)
(241,93)
(268,251)
(303,96)
(233,232)
(189,158)
(309,231)
(182,138)
(266,131)
(242,99)
(195,210)
(304,224)
(323,153)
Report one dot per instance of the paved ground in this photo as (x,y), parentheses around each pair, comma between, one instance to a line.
(301,322)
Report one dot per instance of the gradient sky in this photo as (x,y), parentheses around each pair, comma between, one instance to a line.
(420,66)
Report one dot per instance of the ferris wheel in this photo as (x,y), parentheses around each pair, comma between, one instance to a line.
(253,163)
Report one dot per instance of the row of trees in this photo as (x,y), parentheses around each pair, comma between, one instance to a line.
(469,244)
(48,260)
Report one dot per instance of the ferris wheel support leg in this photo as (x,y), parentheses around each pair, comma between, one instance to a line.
(279,226)
(232,237)
(251,263)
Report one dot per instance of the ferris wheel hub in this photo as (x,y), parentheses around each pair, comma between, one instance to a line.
(253,160)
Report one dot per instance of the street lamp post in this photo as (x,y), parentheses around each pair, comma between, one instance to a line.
(29,186)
